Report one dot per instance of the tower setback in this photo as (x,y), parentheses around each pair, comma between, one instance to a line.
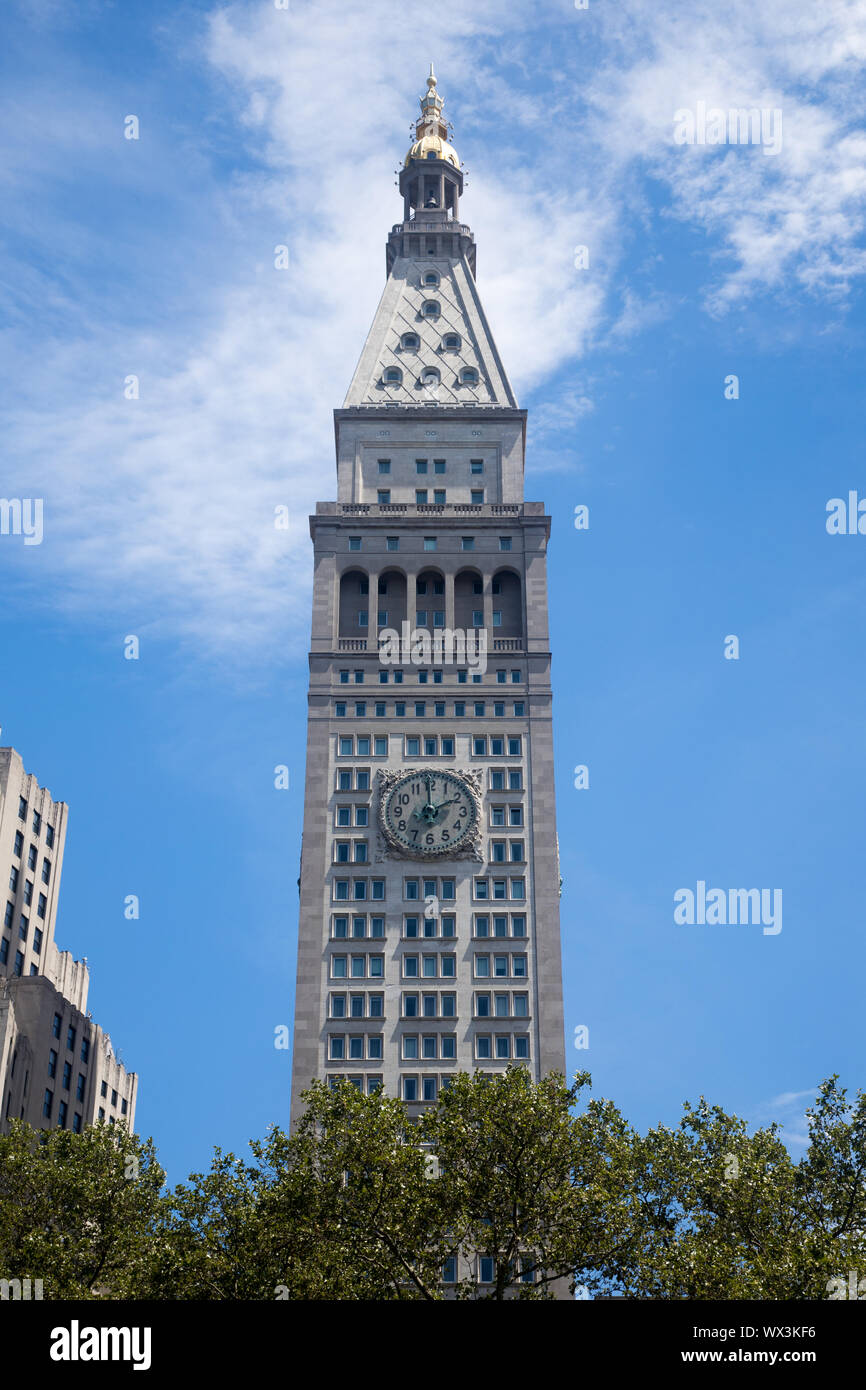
(57,1066)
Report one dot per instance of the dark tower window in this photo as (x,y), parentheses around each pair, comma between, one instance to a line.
(430,309)
(451,342)
(431,277)
(393,376)
(410,342)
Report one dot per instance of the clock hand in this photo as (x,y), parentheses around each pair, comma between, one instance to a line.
(440,804)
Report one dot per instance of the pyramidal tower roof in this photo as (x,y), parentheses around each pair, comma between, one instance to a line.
(430,343)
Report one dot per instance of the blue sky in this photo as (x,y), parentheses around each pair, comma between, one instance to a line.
(155,258)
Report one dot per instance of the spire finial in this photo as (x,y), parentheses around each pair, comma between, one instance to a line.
(431,80)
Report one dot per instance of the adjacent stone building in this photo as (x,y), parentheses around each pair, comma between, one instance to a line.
(57,1066)
(429,894)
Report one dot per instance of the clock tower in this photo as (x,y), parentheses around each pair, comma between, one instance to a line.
(428,938)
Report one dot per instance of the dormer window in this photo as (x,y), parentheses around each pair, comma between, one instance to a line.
(430,308)
(469,377)
(410,342)
(430,377)
(393,376)
(451,342)
(431,277)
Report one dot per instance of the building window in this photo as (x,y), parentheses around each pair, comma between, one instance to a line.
(19,963)
(354,542)
(22,808)
(384,465)
(70,1039)
(52,1062)
(79,1087)
(392,543)
(476,496)
(49,836)
(410,342)
(469,377)
(438,465)
(383,496)
(37,822)
(467,542)
(393,376)
(420,496)
(429,542)
(430,308)
(439,496)
(62,1112)
(504,542)
(47,1102)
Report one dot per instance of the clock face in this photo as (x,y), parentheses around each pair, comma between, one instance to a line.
(429,813)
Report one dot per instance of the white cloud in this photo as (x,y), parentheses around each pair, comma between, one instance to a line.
(159,512)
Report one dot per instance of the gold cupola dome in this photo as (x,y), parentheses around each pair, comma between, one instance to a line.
(431,132)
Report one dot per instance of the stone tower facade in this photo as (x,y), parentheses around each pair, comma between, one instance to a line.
(429,894)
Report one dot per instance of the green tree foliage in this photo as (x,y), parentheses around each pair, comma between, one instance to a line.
(77,1210)
(539,1191)
(551,1189)
(729,1215)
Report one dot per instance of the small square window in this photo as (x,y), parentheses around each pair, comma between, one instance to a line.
(439,496)
(476,465)
(383,497)
(384,465)
(467,542)
(354,542)
(504,542)
(429,542)
(392,542)
(477,496)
